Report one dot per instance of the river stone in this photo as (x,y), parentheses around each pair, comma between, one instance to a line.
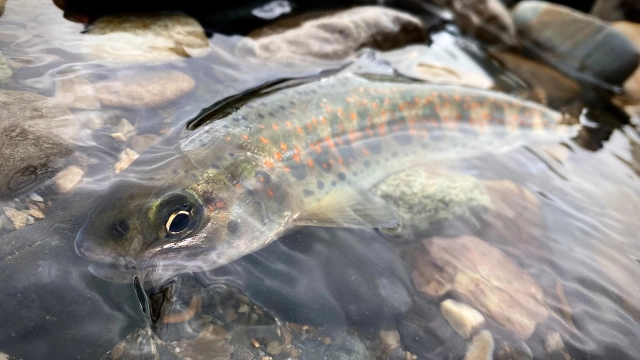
(490,281)
(559,90)
(481,347)
(335,37)
(5,70)
(464,319)
(36,134)
(75,91)
(17,217)
(488,20)
(151,89)
(632,32)
(145,38)
(441,62)
(67,179)
(576,42)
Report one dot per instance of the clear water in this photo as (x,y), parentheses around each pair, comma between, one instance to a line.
(317,293)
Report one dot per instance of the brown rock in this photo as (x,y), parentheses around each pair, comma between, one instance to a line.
(141,143)
(464,319)
(632,32)
(335,37)
(438,63)
(67,179)
(126,158)
(481,347)
(36,134)
(17,217)
(75,91)
(145,38)
(491,282)
(558,89)
(207,345)
(145,90)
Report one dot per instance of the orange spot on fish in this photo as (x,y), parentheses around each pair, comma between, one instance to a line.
(277,155)
(339,111)
(341,127)
(352,136)
(268,163)
(283,146)
(238,186)
(325,165)
(219,204)
(289,125)
(274,126)
(400,107)
(245,136)
(417,100)
(361,89)
(264,140)
(228,138)
(340,161)
(374,106)
(261,127)
(309,126)
(354,116)
(382,128)
(270,192)
(286,168)
(314,121)
(327,109)
(310,163)
(323,119)
(365,152)
(299,130)
(330,143)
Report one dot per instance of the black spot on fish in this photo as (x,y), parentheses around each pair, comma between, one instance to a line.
(307,192)
(403,138)
(263,177)
(232,227)
(272,114)
(232,154)
(322,159)
(374,145)
(366,163)
(333,183)
(260,116)
(281,107)
(347,154)
(341,176)
(298,171)
(320,185)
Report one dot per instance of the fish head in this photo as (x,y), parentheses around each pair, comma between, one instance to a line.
(180,217)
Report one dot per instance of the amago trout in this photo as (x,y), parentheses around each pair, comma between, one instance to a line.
(305,156)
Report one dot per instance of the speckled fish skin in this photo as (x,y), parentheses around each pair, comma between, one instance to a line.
(253,176)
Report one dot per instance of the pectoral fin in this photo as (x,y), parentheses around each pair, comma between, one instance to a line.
(347,207)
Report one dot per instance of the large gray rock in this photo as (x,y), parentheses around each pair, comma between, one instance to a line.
(37,134)
(575,42)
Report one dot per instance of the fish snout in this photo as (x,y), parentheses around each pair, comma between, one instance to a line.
(89,248)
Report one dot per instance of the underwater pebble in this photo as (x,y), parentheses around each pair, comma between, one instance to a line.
(30,220)
(75,91)
(125,128)
(126,158)
(118,136)
(17,217)
(333,37)
(35,197)
(140,143)
(5,70)
(150,89)
(155,38)
(464,319)
(3,356)
(36,213)
(67,179)
(274,348)
(491,282)
(576,41)
(553,343)
(481,347)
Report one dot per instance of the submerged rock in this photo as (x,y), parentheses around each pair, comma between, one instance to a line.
(632,32)
(67,179)
(464,319)
(5,70)
(151,89)
(335,37)
(557,88)
(576,42)
(17,217)
(76,91)
(145,38)
(488,280)
(488,20)
(36,134)
(481,347)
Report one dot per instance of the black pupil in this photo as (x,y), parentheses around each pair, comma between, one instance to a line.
(179,223)
(120,228)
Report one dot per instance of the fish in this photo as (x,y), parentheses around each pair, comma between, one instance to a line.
(303,156)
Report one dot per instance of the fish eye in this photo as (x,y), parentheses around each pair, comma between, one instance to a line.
(120,228)
(178,221)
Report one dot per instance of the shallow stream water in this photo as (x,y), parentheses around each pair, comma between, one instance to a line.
(562,231)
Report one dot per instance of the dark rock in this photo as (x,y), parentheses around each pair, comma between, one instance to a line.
(576,43)
(614,10)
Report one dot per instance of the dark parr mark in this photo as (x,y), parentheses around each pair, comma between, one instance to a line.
(307,192)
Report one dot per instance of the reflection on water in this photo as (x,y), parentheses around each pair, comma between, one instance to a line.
(531,252)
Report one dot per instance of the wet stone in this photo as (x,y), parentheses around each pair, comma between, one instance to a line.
(36,134)
(481,347)
(126,158)
(35,197)
(5,70)
(141,143)
(464,319)
(335,37)
(67,179)
(151,89)
(75,91)
(18,218)
(578,42)
(632,32)
(145,38)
